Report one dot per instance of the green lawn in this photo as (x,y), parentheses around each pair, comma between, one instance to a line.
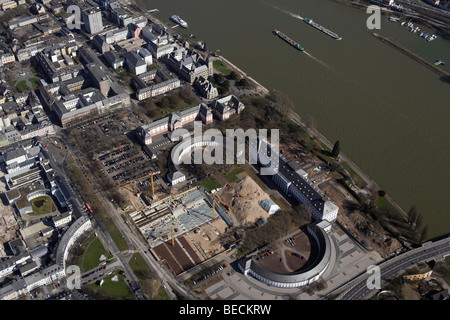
(22,85)
(162,112)
(42,205)
(221,67)
(255,178)
(139,266)
(35,81)
(93,254)
(112,288)
(117,237)
(79,258)
(232,175)
(210,184)
(162,294)
(358,180)
(146,278)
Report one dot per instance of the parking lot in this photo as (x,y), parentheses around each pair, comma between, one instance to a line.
(121,159)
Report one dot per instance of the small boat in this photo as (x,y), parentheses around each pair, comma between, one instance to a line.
(179,21)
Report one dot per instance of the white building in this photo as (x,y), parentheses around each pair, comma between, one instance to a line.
(62,219)
(176,177)
(6,58)
(135,63)
(269,206)
(146,55)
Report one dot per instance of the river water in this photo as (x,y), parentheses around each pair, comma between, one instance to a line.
(389,112)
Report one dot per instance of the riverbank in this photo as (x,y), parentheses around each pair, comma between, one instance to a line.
(444,74)
(370,185)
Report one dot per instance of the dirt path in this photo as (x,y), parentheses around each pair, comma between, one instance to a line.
(221,179)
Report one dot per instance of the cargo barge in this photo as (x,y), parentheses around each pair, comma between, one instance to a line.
(324,30)
(281,35)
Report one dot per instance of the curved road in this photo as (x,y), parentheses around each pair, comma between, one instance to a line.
(390,268)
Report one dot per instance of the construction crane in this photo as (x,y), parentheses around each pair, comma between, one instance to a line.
(226,205)
(153,188)
(139,178)
(179,218)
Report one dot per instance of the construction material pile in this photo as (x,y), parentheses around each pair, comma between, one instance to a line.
(243,195)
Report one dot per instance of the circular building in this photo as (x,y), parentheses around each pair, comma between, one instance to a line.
(304,276)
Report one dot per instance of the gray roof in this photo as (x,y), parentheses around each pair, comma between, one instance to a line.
(13,154)
(133,58)
(290,174)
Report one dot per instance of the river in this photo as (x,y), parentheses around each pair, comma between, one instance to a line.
(389,112)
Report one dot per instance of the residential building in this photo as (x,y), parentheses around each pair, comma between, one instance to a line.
(92,19)
(158,89)
(116,35)
(189,64)
(174,121)
(225,107)
(135,63)
(206,88)
(292,181)
(114,60)
(62,219)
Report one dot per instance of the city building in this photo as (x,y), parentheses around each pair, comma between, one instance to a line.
(117,35)
(62,219)
(158,88)
(146,55)
(58,67)
(100,79)
(92,19)
(114,60)
(174,121)
(135,63)
(189,64)
(293,181)
(100,43)
(119,15)
(252,267)
(225,107)
(206,88)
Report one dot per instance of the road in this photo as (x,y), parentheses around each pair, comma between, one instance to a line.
(74,195)
(392,267)
(135,242)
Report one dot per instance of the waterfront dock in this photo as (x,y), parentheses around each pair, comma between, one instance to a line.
(444,74)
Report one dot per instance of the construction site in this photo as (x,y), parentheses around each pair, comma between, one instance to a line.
(8,223)
(188,228)
(241,199)
(182,230)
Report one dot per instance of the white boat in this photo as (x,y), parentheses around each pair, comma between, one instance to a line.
(179,21)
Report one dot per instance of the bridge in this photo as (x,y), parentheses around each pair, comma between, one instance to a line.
(359,289)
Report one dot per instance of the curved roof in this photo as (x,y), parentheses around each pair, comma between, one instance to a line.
(302,275)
